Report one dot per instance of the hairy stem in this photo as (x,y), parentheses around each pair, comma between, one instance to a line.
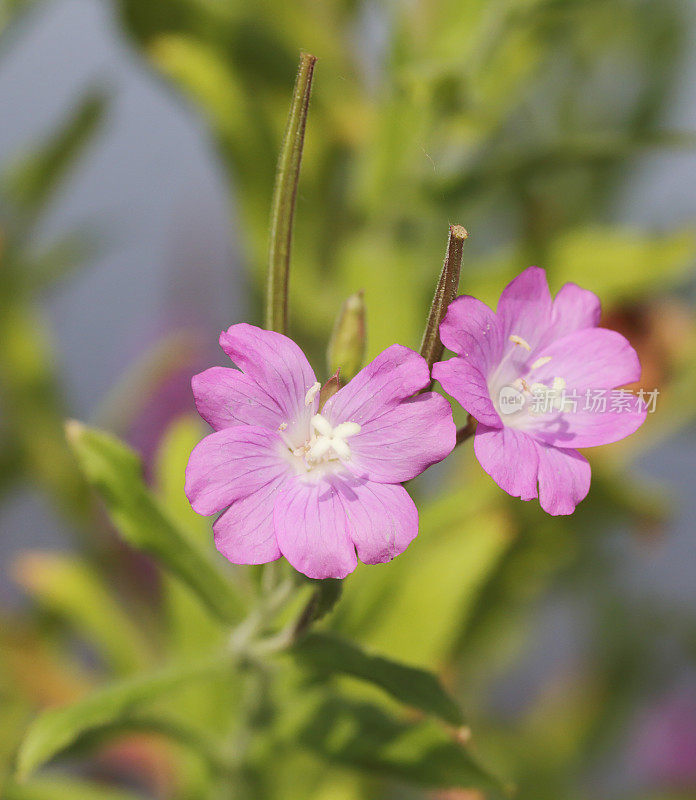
(431,347)
(284,194)
(467,431)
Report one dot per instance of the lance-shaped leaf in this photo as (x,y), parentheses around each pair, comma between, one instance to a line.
(57,729)
(366,737)
(61,260)
(32,182)
(163,723)
(63,788)
(66,586)
(327,653)
(284,193)
(326,594)
(114,470)
(431,347)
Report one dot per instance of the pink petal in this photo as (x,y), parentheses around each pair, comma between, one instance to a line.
(524,308)
(574,308)
(396,373)
(244,534)
(382,519)
(274,362)
(226,397)
(311,529)
(510,457)
(465,382)
(593,358)
(405,440)
(517,464)
(471,330)
(583,428)
(564,479)
(231,464)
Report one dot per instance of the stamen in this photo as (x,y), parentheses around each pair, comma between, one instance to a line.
(551,397)
(281,430)
(541,361)
(312,392)
(515,339)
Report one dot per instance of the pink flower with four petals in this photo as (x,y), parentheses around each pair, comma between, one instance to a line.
(313,485)
(524,374)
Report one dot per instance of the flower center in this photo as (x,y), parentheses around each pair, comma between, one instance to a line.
(543,399)
(513,388)
(325,443)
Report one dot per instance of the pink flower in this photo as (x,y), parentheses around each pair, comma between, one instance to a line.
(664,748)
(538,376)
(312,485)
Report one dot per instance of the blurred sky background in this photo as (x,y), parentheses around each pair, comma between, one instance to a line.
(149,183)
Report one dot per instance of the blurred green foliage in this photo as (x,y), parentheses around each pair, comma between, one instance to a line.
(30,392)
(520,119)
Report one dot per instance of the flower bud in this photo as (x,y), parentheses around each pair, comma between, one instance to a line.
(346,349)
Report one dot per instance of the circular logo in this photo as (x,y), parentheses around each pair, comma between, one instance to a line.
(510,400)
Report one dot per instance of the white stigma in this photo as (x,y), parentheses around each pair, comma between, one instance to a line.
(312,393)
(328,442)
(515,339)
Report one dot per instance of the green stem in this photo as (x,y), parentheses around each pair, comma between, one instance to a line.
(284,193)
(431,346)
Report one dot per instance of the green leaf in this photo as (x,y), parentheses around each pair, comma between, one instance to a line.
(31,183)
(169,468)
(461,540)
(57,729)
(70,588)
(11,466)
(60,788)
(175,727)
(622,265)
(327,593)
(189,625)
(114,470)
(12,13)
(363,736)
(330,654)
(32,406)
(59,261)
